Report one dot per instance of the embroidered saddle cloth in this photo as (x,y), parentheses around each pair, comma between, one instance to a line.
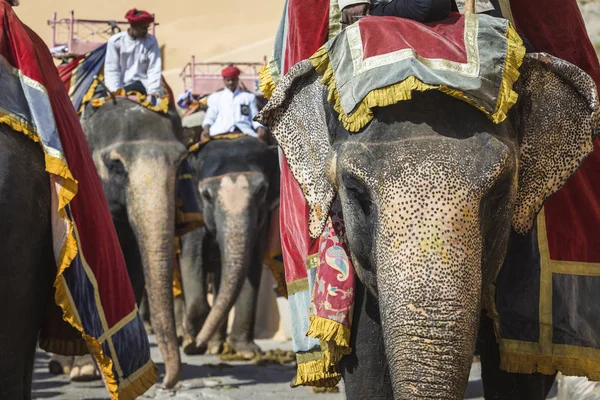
(82,78)
(380,61)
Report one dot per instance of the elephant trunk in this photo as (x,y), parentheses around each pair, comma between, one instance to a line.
(429,296)
(429,349)
(151,207)
(236,245)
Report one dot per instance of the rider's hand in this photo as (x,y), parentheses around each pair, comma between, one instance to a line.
(356,10)
(204,135)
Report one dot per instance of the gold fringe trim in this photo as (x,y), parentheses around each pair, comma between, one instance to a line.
(266,85)
(515,53)
(140,382)
(402,91)
(548,365)
(67,254)
(90,93)
(314,373)
(64,347)
(334,337)
(144,101)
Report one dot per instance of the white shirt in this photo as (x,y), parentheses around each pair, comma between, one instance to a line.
(129,60)
(228,110)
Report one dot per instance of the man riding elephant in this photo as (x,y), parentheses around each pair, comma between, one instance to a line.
(133,59)
(312,26)
(231,109)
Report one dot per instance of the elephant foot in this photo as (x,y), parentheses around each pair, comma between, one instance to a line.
(148,326)
(216,347)
(84,370)
(190,348)
(59,365)
(246,349)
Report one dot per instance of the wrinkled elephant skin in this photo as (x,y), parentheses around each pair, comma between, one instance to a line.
(430,191)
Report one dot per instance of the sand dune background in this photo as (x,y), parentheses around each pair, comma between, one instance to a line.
(230,30)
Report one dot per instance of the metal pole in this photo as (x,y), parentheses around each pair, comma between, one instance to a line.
(469,7)
(71,28)
(54,30)
(193,73)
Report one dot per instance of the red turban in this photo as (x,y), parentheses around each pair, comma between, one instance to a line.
(139,17)
(231,72)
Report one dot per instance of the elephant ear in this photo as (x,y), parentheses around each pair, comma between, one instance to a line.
(559,119)
(296,116)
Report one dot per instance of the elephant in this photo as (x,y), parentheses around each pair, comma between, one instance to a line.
(430,190)
(28,267)
(238,184)
(138,153)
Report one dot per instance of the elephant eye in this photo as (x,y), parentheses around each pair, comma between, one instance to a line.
(115,166)
(359,193)
(261,192)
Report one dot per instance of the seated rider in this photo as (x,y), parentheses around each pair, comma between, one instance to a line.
(231,109)
(133,58)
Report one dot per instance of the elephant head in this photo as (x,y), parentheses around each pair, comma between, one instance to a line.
(429,192)
(137,153)
(238,184)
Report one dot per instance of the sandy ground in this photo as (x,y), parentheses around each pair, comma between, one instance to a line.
(203,379)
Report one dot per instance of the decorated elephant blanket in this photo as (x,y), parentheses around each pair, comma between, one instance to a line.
(474,58)
(92,288)
(82,77)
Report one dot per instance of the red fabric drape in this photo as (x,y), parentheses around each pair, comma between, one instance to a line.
(308,29)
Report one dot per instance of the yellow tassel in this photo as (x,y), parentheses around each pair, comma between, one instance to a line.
(329,330)
(530,363)
(314,373)
(334,337)
(266,85)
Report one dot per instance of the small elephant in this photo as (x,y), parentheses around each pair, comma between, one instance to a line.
(430,189)
(238,183)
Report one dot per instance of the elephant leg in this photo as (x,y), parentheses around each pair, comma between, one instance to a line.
(194,284)
(365,371)
(215,344)
(502,385)
(241,336)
